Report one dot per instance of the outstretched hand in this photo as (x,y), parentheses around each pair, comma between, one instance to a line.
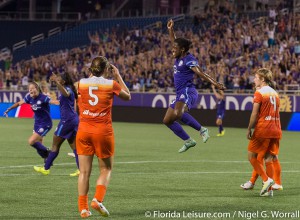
(5,113)
(170,24)
(220,86)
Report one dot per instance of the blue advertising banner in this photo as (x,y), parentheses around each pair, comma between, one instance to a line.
(288,103)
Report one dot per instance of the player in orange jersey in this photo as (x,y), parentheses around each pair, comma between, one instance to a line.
(277,173)
(95,132)
(264,141)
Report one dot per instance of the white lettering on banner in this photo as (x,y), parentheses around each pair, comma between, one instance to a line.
(159,98)
(246,101)
(11,96)
(231,99)
(202,103)
(212,102)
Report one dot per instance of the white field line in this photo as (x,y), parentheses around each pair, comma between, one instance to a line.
(145,162)
(151,173)
(147,173)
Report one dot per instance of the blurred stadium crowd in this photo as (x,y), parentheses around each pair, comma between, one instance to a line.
(227,47)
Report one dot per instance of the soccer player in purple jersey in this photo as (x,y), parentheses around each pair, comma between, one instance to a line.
(40,105)
(67,127)
(185,66)
(220,110)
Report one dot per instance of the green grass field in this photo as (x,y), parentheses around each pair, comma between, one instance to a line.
(149,176)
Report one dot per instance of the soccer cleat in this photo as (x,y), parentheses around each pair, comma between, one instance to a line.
(268,194)
(41,170)
(98,206)
(247,185)
(85,213)
(221,134)
(266,186)
(187,145)
(204,134)
(71,155)
(76,173)
(277,187)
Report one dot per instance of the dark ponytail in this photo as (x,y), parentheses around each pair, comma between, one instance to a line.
(69,82)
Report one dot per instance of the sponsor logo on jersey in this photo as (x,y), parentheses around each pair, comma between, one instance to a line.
(93,114)
(268,118)
(175,69)
(34,107)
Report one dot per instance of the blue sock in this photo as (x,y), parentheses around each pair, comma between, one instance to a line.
(178,130)
(220,128)
(190,121)
(50,159)
(41,149)
(76,158)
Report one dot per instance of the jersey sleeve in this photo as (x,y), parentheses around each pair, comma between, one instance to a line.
(116,88)
(192,62)
(257,97)
(27,98)
(46,99)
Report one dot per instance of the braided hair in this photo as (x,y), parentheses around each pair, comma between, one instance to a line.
(98,66)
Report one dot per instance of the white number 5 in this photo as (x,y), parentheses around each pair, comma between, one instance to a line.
(273,101)
(96,99)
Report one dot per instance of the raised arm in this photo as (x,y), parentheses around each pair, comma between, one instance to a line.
(207,77)
(170,26)
(125,93)
(61,88)
(215,92)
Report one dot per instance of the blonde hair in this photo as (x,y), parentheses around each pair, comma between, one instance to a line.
(267,75)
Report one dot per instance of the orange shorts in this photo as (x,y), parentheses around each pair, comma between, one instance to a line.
(89,144)
(264,145)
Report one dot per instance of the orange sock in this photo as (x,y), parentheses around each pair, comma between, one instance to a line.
(83,203)
(270,169)
(253,177)
(277,172)
(258,167)
(100,192)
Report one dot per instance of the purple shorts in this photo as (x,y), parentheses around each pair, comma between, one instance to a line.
(42,129)
(188,96)
(67,129)
(220,115)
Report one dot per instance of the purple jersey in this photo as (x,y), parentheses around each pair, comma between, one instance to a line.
(67,111)
(183,75)
(220,106)
(41,108)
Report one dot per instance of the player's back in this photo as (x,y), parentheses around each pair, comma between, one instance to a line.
(95,97)
(268,124)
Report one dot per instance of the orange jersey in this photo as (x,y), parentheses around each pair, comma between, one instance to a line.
(95,98)
(268,122)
